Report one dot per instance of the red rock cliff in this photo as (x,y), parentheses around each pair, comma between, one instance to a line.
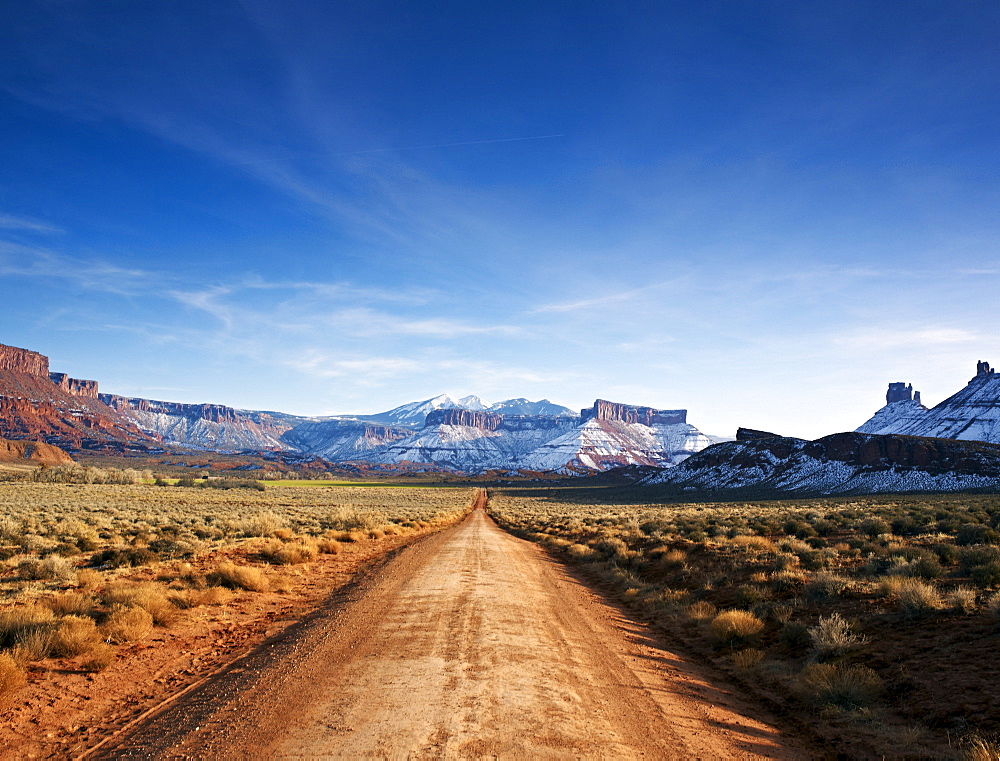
(23,361)
(626,413)
(216,413)
(487,421)
(75,386)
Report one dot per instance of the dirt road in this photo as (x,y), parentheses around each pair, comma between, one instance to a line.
(469,644)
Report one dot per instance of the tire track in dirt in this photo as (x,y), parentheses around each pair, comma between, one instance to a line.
(470,644)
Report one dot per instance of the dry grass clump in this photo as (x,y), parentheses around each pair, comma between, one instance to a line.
(962,599)
(701,611)
(264,523)
(74,636)
(826,584)
(12,677)
(850,687)
(240,577)
(748,659)
(28,628)
(126,625)
(977,748)
(754,543)
(277,552)
(149,596)
(916,597)
(98,658)
(834,635)
(731,626)
(581,552)
(70,604)
(329,546)
(51,567)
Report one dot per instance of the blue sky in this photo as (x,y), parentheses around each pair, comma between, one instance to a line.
(761,211)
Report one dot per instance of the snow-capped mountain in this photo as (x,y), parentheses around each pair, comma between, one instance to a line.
(604,436)
(843,463)
(524,407)
(414,414)
(342,440)
(973,414)
(474,441)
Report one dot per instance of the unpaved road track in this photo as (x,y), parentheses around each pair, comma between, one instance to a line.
(470,644)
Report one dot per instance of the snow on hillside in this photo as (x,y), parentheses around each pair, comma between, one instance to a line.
(846,463)
(600,444)
(241,433)
(414,414)
(468,448)
(341,440)
(972,414)
(895,417)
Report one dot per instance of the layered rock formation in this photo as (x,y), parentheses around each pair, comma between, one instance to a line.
(610,435)
(206,426)
(66,412)
(15,360)
(627,413)
(486,421)
(843,463)
(973,414)
(75,386)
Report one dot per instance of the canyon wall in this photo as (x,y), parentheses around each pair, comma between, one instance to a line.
(627,413)
(18,360)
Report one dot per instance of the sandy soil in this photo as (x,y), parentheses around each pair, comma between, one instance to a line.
(470,644)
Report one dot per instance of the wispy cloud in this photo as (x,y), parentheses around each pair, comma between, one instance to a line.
(598,301)
(12,222)
(17,260)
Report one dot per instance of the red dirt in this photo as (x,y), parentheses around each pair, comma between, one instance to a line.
(469,643)
(63,712)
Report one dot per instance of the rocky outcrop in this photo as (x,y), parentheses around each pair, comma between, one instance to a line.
(15,360)
(215,413)
(843,463)
(627,413)
(75,386)
(901,392)
(32,453)
(486,421)
(749,434)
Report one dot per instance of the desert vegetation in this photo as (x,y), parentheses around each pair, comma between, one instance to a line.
(89,565)
(872,621)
